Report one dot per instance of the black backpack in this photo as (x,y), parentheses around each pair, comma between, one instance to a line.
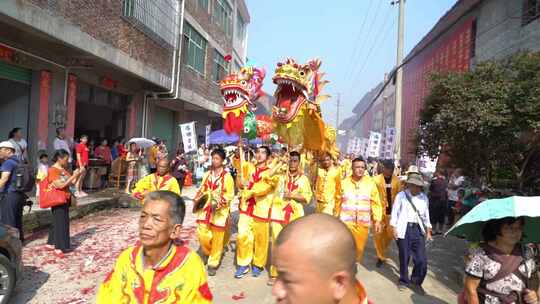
(26,179)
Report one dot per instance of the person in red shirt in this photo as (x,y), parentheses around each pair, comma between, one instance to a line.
(104,152)
(81,153)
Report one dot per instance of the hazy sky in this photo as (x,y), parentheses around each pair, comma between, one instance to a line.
(355,39)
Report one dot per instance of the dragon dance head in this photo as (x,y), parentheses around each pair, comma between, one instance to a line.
(296,85)
(240,91)
(242,88)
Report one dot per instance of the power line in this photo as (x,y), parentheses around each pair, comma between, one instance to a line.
(356,44)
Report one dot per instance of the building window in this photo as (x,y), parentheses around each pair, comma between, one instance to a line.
(157,19)
(203,4)
(195,49)
(240,27)
(531,11)
(223,16)
(221,67)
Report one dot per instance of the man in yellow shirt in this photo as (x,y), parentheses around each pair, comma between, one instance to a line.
(327,186)
(157,270)
(152,155)
(293,191)
(389,186)
(213,216)
(253,223)
(161,180)
(360,206)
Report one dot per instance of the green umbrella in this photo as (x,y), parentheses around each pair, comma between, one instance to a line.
(470,226)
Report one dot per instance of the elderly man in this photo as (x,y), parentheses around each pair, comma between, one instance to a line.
(315,258)
(411,225)
(389,186)
(158,270)
(361,205)
(161,180)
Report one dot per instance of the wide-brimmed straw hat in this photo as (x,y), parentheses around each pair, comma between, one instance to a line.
(415,179)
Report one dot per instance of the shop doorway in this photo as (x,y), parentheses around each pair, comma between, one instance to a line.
(100,114)
(15,99)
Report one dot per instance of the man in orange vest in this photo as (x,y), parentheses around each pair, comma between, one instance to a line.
(315,258)
(360,205)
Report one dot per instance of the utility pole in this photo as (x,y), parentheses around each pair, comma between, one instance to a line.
(337,113)
(399,77)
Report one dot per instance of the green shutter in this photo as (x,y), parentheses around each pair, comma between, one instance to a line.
(15,73)
(163,126)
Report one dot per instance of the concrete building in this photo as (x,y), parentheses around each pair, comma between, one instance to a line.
(118,68)
(213,31)
(84,65)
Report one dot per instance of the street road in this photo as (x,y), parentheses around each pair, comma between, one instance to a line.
(99,238)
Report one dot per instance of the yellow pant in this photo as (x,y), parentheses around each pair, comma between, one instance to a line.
(212,241)
(360,234)
(276,229)
(327,208)
(383,239)
(252,241)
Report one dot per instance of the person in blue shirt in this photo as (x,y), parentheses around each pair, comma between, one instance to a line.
(11,200)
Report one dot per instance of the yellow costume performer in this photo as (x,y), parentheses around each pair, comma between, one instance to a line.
(179,278)
(253,224)
(213,219)
(286,210)
(359,206)
(328,188)
(384,238)
(154,182)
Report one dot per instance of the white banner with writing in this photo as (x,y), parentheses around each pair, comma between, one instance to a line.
(189,136)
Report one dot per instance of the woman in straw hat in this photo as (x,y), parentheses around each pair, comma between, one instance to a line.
(411,225)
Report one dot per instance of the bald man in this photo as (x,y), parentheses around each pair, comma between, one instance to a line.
(161,180)
(315,257)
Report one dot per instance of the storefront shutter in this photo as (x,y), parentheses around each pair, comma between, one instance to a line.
(15,73)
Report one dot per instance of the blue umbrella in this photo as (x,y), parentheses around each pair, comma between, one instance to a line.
(221,137)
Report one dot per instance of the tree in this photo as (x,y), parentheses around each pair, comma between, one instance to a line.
(487,120)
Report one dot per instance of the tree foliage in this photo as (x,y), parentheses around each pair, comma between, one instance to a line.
(487,120)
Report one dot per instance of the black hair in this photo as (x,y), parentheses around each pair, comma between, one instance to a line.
(178,206)
(294,154)
(58,130)
(12,132)
(220,152)
(43,155)
(83,136)
(493,228)
(267,150)
(388,164)
(58,154)
(358,159)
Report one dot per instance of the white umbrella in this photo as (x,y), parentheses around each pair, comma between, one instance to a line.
(142,142)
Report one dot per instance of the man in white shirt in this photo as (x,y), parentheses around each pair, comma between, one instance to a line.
(61,143)
(411,225)
(454,184)
(16,138)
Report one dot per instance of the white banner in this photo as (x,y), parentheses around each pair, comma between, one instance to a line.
(207,138)
(364,143)
(189,136)
(374,145)
(387,151)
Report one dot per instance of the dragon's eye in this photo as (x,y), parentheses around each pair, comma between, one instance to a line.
(243,82)
(302,73)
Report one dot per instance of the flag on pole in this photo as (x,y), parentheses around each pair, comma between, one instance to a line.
(189,136)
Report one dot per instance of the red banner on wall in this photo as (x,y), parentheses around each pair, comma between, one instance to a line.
(71,105)
(43,116)
(6,53)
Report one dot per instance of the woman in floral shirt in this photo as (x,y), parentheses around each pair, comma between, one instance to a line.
(500,271)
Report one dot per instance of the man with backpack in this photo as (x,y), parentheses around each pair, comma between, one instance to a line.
(14,177)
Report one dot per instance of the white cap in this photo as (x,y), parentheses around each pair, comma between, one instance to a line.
(7,144)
